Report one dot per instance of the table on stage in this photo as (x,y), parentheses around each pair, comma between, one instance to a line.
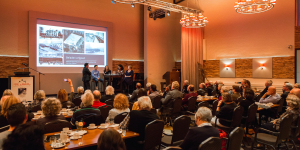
(89,139)
(110,76)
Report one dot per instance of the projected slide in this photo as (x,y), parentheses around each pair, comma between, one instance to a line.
(61,46)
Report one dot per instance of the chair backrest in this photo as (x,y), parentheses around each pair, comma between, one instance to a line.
(156,102)
(285,128)
(92,118)
(279,108)
(120,117)
(180,128)
(153,110)
(65,105)
(213,93)
(4,128)
(130,106)
(77,101)
(36,108)
(153,134)
(238,100)
(237,116)
(105,110)
(177,105)
(173,148)
(214,108)
(203,104)
(56,126)
(251,117)
(212,143)
(110,102)
(142,92)
(235,139)
(192,104)
(295,131)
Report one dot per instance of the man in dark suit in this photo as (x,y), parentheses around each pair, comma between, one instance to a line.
(197,135)
(287,87)
(267,84)
(86,76)
(241,88)
(209,89)
(174,93)
(134,95)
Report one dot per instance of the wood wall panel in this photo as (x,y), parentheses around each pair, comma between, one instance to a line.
(243,68)
(283,67)
(9,65)
(178,65)
(137,66)
(297,37)
(211,68)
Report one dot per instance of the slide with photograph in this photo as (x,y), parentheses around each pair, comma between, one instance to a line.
(70,47)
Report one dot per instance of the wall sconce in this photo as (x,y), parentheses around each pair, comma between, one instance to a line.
(261,66)
(227,66)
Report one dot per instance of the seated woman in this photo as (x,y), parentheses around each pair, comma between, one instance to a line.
(120,71)
(247,101)
(225,111)
(64,98)
(128,79)
(293,103)
(106,71)
(51,109)
(109,94)
(6,104)
(110,139)
(7,92)
(121,104)
(236,93)
(39,97)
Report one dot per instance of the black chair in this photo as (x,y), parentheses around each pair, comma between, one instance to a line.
(120,117)
(235,139)
(36,108)
(239,99)
(212,143)
(4,128)
(105,110)
(153,134)
(273,139)
(65,104)
(203,104)
(173,148)
(251,117)
(110,102)
(235,121)
(176,110)
(214,107)
(77,101)
(180,128)
(56,126)
(92,118)
(156,102)
(192,104)
(153,110)
(130,106)
(295,131)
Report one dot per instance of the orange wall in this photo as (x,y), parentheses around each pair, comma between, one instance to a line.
(127,23)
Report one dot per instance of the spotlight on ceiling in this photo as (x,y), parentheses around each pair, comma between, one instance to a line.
(168,13)
(149,8)
(112,1)
(132,5)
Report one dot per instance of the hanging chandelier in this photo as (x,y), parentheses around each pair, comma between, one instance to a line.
(253,6)
(193,20)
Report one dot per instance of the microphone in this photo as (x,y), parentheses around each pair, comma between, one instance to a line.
(24,64)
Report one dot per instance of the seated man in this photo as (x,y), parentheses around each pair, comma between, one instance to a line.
(197,135)
(185,86)
(191,93)
(16,115)
(153,91)
(134,95)
(175,93)
(97,96)
(87,111)
(110,94)
(209,89)
(202,89)
(272,98)
(287,87)
(268,83)
(167,90)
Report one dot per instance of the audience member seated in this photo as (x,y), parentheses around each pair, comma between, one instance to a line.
(202,89)
(3,98)
(242,86)
(25,137)
(223,89)
(203,131)
(209,89)
(272,98)
(185,86)
(167,90)
(134,95)
(128,79)
(148,85)
(51,109)
(96,76)
(191,93)
(110,139)
(236,93)
(80,91)
(7,103)
(217,87)
(173,94)
(39,97)
(121,104)
(224,112)
(87,110)
(296,86)
(97,96)
(64,98)
(287,87)
(295,91)
(137,120)
(7,92)
(153,91)
(110,94)
(247,101)
(16,114)
(293,103)
(267,84)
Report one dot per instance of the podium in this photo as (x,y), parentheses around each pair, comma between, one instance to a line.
(22,85)
(170,77)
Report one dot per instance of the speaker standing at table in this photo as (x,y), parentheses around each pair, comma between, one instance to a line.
(128,79)
(86,76)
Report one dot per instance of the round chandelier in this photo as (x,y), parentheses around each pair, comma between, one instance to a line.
(253,6)
(192,20)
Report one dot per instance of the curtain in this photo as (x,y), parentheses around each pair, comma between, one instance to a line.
(192,56)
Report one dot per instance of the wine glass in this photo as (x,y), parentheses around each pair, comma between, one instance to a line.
(68,106)
(80,140)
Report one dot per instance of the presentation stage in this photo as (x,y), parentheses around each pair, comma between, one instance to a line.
(70,45)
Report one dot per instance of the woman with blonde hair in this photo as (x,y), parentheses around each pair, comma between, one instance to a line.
(64,98)
(7,92)
(121,104)
(4,108)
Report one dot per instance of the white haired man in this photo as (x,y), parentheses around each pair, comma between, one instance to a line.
(185,86)
(87,111)
(175,93)
(109,94)
(196,136)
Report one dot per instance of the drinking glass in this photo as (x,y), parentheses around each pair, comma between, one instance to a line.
(205,94)
(80,140)
(68,106)
(111,121)
(123,131)
(52,141)
(63,137)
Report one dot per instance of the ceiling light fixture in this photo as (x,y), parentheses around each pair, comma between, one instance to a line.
(192,20)
(253,6)
(132,5)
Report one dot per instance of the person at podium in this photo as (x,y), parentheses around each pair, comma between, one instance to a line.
(86,76)
(128,79)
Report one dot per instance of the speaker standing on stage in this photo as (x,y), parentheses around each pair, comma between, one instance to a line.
(86,76)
